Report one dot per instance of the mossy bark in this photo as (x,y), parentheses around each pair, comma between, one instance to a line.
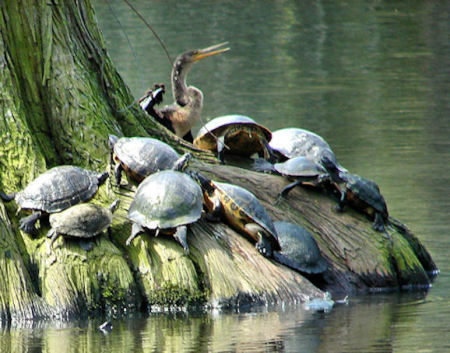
(60,98)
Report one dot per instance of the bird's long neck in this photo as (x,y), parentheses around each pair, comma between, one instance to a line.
(179,87)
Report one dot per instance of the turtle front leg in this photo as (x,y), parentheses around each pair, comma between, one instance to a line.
(118,173)
(181,236)
(378,223)
(53,235)
(135,230)
(284,192)
(28,224)
(341,204)
(215,215)
(263,244)
(267,152)
(221,148)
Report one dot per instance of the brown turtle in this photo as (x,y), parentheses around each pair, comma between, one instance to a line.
(241,210)
(235,134)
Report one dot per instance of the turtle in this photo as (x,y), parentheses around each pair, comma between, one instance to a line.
(166,201)
(293,142)
(238,134)
(299,250)
(300,169)
(361,193)
(84,220)
(241,210)
(140,157)
(55,190)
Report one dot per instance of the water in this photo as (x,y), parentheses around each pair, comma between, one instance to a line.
(372,78)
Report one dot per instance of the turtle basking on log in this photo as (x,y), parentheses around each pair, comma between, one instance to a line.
(84,221)
(299,249)
(166,202)
(241,210)
(234,134)
(140,157)
(302,170)
(361,193)
(54,191)
(294,142)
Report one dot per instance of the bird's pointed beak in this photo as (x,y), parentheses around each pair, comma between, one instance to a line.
(212,50)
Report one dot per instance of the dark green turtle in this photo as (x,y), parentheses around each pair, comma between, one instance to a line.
(237,134)
(299,250)
(166,201)
(84,221)
(54,191)
(294,142)
(241,210)
(301,170)
(140,156)
(361,193)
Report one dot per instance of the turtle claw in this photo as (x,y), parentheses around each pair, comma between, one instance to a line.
(181,237)
(378,223)
(379,227)
(264,248)
(27,227)
(135,230)
(28,224)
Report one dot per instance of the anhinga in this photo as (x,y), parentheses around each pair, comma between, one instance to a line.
(185,111)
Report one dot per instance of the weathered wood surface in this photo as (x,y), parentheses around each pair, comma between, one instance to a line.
(359,257)
(60,98)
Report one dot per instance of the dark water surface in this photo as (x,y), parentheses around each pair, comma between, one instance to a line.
(371,77)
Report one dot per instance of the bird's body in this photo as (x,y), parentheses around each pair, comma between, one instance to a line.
(185,111)
(182,118)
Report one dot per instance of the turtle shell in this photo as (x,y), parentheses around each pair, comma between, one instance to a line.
(299,167)
(83,220)
(243,134)
(299,250)
(294,142)
(59,188)
(166,199)
(142,156)
(242,207)
(367,191)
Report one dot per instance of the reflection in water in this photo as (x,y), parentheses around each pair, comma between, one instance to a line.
(372,79)
(370,324)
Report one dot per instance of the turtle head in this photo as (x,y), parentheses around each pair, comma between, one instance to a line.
(113,207)
(112,139)
(101,177)
(329,164)
(204,182)
(182,162)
